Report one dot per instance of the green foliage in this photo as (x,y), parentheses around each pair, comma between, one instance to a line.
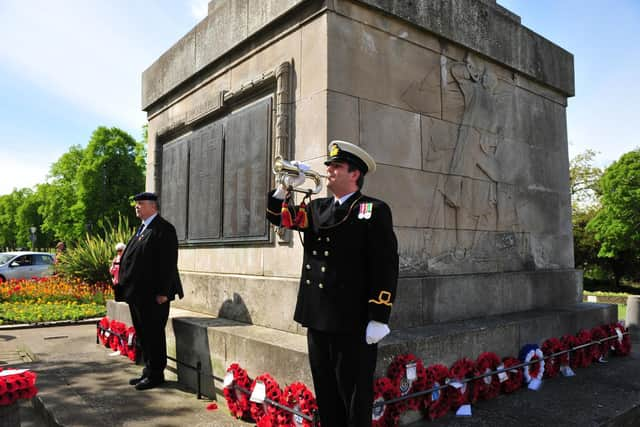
(616,226)
(107,176)
(29,313)
(59,197)
(86,189)
(91,258)
(584,181)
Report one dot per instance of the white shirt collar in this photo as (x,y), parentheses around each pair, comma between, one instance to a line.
(342,199)
(147,221)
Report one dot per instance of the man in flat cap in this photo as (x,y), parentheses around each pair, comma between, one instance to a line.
(348,282)
(149,279)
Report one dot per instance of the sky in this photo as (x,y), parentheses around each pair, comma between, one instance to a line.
(69,66)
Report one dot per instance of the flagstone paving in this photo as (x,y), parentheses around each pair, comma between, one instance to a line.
(82,385)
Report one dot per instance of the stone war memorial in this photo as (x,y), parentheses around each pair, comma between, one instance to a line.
(463,108)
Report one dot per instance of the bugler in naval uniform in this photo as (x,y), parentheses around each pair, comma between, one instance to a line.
(347,285)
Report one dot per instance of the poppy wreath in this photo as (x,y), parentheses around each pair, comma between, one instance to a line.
(571,341)
(130,349)
(488,386)
(117,330)
(586,353)
(265,414)
(461,370)
(297,396)
(622,345)
(17,386)
(103,327)
(532,353)
(552,364)
(515,375)
(383,415)
(238,401)
(437,403)
(397,373)
(601,350)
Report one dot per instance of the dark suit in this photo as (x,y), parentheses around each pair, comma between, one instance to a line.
(148,268)
(349,277)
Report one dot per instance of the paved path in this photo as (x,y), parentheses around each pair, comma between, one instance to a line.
(81,385)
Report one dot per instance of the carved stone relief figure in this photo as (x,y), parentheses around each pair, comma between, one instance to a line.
(469,190)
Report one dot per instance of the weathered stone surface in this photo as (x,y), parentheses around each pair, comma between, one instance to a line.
(492,32)
(343,121)
(224,27)
(391,135)
(252,300)
(365,63)
(314,58)
(505,334)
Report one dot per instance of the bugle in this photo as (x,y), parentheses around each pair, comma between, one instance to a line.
(282,168)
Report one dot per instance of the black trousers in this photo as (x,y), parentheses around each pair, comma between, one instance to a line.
(150,320)
(342,366)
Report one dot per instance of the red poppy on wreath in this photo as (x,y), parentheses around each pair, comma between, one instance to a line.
(461,370)
(101,330)
(552,365)
(408,375)
(570,342)
(237,401)
(8,398)
(621,345)
(265,414)
(514,375)
(130,350)
(117,329)
(297,396)
(488,386)
(437,403)
(599,351)
(382,415)
(585,356)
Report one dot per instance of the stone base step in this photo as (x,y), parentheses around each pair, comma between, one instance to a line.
(216,342)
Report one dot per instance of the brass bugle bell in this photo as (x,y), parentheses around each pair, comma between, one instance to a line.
(282,167)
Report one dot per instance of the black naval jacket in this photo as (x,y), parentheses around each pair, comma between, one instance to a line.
(148,266)
(350,268)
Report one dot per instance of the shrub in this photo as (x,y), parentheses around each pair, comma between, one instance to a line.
(91,258)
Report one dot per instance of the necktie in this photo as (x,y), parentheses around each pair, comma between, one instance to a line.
(140,229)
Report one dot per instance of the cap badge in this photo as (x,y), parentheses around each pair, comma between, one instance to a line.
(334,150)
(365,210)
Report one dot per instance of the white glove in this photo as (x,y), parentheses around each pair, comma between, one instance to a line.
(280,192)
(301,165)
(294,180)
(376,331)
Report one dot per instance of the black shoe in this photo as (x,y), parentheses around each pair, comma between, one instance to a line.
(135,381)
(147,383)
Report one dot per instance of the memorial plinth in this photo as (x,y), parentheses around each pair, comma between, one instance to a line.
(464,110)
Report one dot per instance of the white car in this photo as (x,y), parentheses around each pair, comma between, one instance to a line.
(25,265)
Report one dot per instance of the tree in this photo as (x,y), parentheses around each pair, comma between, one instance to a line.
(28,216)
(59,197)
(617,223)
(9,205)
(108,175)
(583,180)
